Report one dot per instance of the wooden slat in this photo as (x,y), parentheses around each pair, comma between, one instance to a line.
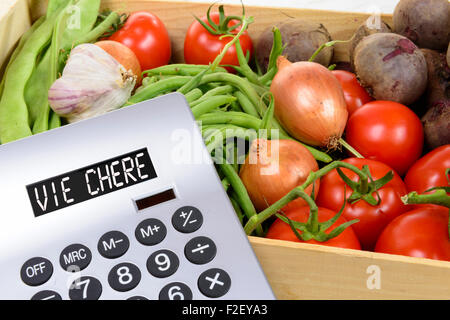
(305,271)
(178,15)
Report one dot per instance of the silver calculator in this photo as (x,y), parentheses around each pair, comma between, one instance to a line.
(127,205)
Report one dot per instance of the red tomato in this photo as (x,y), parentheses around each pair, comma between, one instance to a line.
(282,231)
(355,95)
(372,219)
(429,171)
(422,232)
(388,132)
(202,47)
(145,34)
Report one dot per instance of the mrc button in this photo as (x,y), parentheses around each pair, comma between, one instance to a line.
(36,271)
(75,258)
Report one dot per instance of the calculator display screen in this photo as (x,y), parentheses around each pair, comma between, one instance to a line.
(90,182)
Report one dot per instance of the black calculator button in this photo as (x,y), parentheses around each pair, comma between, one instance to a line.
(150,232)
(36,271)
(46,295)
(113,244)
(162,263)
(75,258)
(187,219)
(214,283)
(124,277)
(175,291)
(85,288)
(200,250)
(137,298)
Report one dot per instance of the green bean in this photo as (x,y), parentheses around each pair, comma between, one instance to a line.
(95,33)
(55,5)
(241,192)
(236,208)
(235,106)
(193,83)
(148,81)
(235,118)
(193,95)
(213,92)
(181,69)
(217,136)
(157,88)
(244,67)
(240,83)
(246,104)
(14,120)
(245,121)
(55,121)
(211,104)
(19,47)
(225,184)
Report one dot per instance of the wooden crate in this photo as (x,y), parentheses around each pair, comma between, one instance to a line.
(295,270)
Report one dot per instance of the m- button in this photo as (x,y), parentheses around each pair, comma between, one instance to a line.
(113,244)
(36,271)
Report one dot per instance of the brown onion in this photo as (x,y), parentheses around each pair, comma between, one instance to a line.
(309,102)
(275,167)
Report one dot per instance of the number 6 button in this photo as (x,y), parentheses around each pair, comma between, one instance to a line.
(124,277)
(162,263)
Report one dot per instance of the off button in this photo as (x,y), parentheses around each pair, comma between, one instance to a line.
(36,271)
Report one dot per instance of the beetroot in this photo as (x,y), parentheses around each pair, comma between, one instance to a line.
(391,67)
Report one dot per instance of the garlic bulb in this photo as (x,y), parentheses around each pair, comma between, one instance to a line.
(92,83)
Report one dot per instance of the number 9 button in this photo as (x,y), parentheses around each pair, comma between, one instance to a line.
(162,263)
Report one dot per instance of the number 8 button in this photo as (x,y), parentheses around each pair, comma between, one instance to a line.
(124,277)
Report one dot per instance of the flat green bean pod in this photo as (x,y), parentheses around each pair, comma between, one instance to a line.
(14,121)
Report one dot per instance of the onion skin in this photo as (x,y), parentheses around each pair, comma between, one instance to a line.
(124,56)
(266,185)
(309,102)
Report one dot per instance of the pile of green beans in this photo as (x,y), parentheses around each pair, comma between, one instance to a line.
(39,59)
(226,106)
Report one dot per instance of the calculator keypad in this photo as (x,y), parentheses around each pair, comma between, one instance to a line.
(85,288)
(150,232)
(162,263)
(36,271)
(124,277)
(75,258)
(113,245)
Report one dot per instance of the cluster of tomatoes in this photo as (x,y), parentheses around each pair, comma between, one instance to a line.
(145,34)
(390,137)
